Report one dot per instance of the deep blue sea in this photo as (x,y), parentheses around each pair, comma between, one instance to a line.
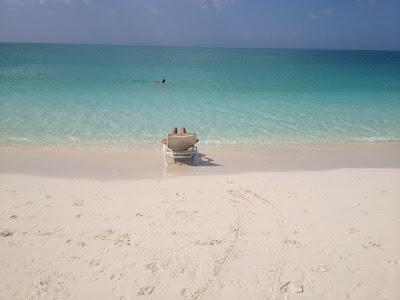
(95,94)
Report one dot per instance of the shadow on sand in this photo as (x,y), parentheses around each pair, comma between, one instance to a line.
(202,161)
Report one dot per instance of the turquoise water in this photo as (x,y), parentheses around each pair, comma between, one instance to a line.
(78,94)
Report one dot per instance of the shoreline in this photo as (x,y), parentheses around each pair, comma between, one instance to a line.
(152,144)
(112,163)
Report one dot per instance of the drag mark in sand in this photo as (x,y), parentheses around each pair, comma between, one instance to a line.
(230,251)
(279,220)
(218,270)
(284,246)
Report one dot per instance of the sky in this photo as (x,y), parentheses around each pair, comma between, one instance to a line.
(322,24)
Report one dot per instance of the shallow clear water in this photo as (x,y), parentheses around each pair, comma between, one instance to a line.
(67,94)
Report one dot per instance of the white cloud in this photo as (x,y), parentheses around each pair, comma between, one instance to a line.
(312,15)
(43,2)
(370,2)
(216,3)
(154,11)
(329,11)
(297,33)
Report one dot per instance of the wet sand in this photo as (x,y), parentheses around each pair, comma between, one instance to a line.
(111,163)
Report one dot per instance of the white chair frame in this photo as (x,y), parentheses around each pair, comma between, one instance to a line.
(189,153)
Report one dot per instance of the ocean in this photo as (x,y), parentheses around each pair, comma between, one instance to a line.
(60,94)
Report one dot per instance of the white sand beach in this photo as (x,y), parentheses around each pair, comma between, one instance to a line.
(199,150)
(313,234)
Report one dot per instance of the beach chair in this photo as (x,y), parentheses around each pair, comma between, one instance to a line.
(181,146)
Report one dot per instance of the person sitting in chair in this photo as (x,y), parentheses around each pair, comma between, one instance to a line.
(174,131)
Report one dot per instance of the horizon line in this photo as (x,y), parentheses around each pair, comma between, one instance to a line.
(204,47)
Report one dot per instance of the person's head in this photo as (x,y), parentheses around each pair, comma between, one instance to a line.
(163,81)
(175,130)
(183,130)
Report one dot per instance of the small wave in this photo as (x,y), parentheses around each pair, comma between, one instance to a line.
(220,142)
(15,141)
(72,138)
(27,70)
(245,142)
(19,139)
(378,139)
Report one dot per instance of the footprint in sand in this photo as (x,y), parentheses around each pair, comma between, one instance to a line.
(320,269)
(146,290)
(372,244)
(50,284)
(208,243)
(44,233)
(153,267)
(104,235)
(191,294)
(94,262)
(82,244)
(393,262)
(292,288)
(355,269)
(123,240)
(180,195)
(292,242)
(5,233)
(116,277)
(78,203)
(353,230)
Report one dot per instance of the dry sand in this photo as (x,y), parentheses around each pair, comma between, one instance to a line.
(325,234)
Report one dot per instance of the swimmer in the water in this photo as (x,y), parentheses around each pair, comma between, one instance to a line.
(159,81)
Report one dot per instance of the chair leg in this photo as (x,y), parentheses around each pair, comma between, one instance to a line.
(165,156)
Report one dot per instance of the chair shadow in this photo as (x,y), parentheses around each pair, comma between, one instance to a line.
(202,161)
